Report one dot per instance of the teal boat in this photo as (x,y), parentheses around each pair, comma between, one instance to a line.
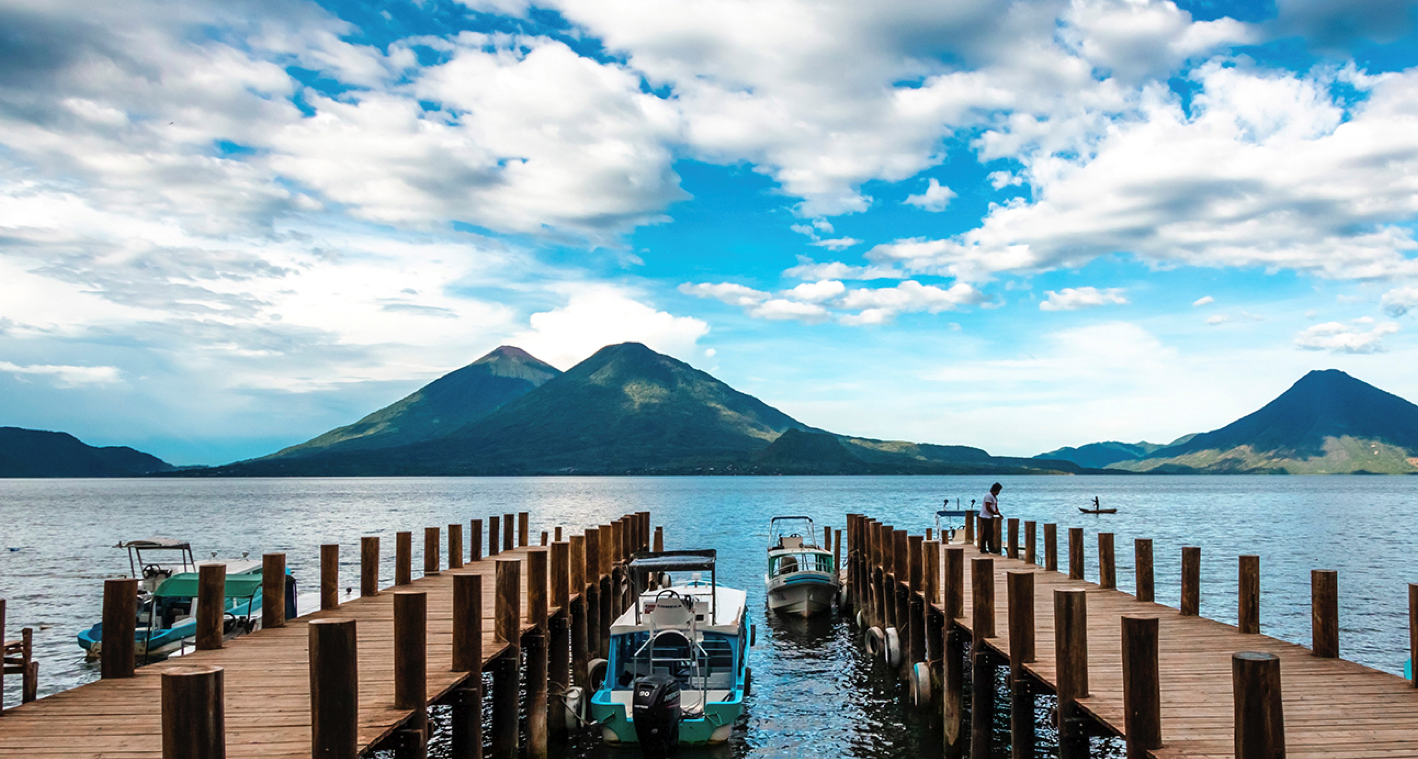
(167,577)
(678,669)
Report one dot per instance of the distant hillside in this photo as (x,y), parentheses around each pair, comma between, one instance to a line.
(1326,423)
(630,410)
(1100,455)
(441,407)
(36,453)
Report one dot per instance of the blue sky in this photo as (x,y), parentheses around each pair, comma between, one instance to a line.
(228,227)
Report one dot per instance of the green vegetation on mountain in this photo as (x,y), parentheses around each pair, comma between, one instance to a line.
(37,453)
(1099,455)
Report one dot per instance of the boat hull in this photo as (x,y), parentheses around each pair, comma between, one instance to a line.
(803,594)
(715,726)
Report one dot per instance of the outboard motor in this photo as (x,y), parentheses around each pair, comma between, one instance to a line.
(656,713)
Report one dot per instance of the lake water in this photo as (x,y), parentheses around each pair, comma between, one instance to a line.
(813,693)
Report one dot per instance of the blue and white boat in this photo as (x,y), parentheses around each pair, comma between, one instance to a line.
(678,669)
(801,580)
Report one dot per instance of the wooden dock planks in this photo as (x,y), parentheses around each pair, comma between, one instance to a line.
(267,684)
(1333,708)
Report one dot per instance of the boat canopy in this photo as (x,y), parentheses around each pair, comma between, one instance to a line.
(184,585)
(674,561)
(155,544)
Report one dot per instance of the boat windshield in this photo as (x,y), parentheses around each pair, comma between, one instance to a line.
(673,654)
(800,562)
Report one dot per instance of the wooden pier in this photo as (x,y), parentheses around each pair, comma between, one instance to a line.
(359,675)
(1170,683)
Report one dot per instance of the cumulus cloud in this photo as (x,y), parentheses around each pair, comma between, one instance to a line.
(837,243)
(596,316)
(1399,301)
(66,376)
(732,294)
(1075,298)
(935,198)
(1337,337)
(1205,300)
(817,301)
(816,292)
(810,269)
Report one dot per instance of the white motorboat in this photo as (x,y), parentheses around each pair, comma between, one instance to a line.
(802,579)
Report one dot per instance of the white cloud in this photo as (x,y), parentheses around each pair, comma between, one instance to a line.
(782,309)
(809,269)
(1073,299)
(1217,319)
(838,243)
(1399,301)
(911,296)
(597,316)
(67,376)
(728,292)
(816,292)
(1002,179)
(935,198)
(1203,301)
(1345,338)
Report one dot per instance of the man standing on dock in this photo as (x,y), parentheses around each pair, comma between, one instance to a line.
(989,512)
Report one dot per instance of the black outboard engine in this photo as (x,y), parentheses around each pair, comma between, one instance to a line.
(656,713)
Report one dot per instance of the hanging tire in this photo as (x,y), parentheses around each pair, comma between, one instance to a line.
(596,673)
(893,653)
(874,641)
(920,682)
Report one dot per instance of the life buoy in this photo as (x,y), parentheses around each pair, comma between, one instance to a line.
(893,653)
(596,673)
(874,641)
(920,685)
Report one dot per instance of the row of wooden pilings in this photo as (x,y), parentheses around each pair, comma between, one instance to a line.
(556,651)
(895,583)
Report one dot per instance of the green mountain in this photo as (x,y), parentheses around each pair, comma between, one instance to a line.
(1100,455)
(36,453)
(1326,423)
(439,408)
(630,410)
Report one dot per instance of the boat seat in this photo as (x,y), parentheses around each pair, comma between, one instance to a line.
(791,542)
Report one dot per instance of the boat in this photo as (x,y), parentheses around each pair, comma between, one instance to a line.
(167,575)
(801,579)
(1097,509)
(678,668)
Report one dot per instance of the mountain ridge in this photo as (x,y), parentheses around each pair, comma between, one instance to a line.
(43,453)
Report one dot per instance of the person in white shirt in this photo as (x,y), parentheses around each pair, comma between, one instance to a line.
(989,512)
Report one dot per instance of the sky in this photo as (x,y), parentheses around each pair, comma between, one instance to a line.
(226,227)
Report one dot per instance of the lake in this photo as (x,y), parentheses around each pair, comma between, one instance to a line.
(813,693)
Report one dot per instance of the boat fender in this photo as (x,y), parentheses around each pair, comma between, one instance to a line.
(747,681)
(752,635)
(841,598)
(921,685)
(596,673)
(575,712)
(861,619)
(893,653)
(874,641)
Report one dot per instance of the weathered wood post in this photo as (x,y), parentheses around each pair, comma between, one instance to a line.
(1107,569)
(211,603)
(1142,691)
(329,577)
(559,640)
(916,632)
(403,558)
(952,601)
(194,711)
(1075,553)
(982,692)
(836,552)
(506,690)
(522,528)
(998,526)
(902,570)
(535,645)
(273,590)
(580,654)
(1142,550)
(970,528)
(467,716)
(659,538)
(1413,629)
(544,539)
(608,596)
(1324,613)
(120,621)
(1013,537)
(411,669)
(334,689)
(507,527)
(1248,595)
(930,572)
(1071,662)
(369,566)
(431,539)
(494,541)
(1260,718)
(455,546)
(1031,529)
(1191,581)
(475,540)
(1019,586)
(1051,547)
(592,593)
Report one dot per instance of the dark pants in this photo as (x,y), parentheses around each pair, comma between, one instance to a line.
(988,544)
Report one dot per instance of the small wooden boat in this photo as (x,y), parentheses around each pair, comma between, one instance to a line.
(1097,509)
(801,579)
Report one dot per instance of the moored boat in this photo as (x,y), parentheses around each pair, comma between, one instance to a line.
(801,578)
(678,668)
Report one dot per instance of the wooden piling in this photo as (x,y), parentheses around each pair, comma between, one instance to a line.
(982,700)
(334,689)
(1051,547)
(836,552)
(466,736)
(1071,662)
(659,538)
(559,640)
(455,546)
(403,558)
(1142,693)
(1142,550)
(1075,553)
(369,566)
(1107,569)
(505,670)
(1030,538)
(1191,581)
(1019,587)
(467,623)
(431,539)
(535,647)
(507,535)
(953,590)
(969,528)
(930,571)
(494,542)
(329,576)
(1413,630)
(1324,613)
(211,605)
(558,534)
(523,525)
(1259,714)
(592,591)
(580,655)
(411,664)
(998,526)
(1248,595)
(120,618)
(475,540)
(193,711)
(273,590)
(982,599)
(1013,538)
